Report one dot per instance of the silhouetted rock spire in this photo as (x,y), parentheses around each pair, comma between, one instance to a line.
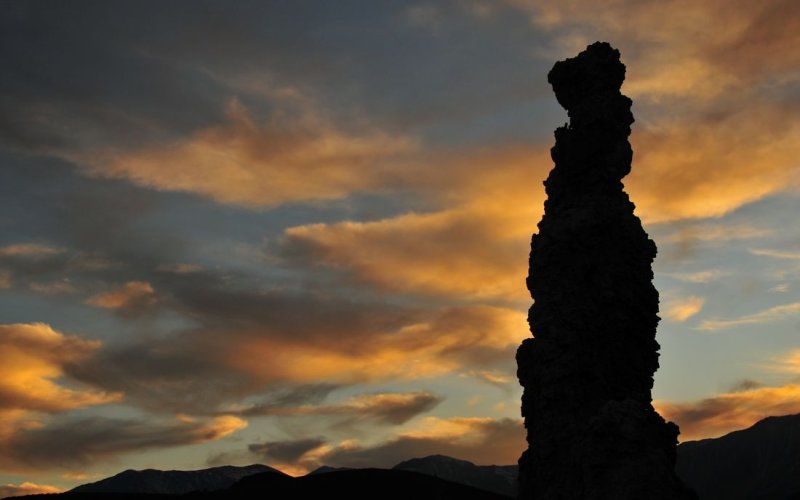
(588,370)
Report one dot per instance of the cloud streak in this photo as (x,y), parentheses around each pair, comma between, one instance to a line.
(85,441)
(766,316)
(384,408)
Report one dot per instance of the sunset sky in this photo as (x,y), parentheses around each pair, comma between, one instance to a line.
(296,232)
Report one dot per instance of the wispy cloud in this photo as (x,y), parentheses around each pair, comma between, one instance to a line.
(769,315)
(788,363)
(718,233)
(777,254)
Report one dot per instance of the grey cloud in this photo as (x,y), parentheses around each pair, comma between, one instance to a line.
(383,408)
(284,451)
(84,441)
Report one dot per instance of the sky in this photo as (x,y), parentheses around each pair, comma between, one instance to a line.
(297,233)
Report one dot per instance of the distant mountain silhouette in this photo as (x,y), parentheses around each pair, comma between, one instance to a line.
(325,469)
(760,462)
(500,479)
(174,482)
(357,484)
(354,484)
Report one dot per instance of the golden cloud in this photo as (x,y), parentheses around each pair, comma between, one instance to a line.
(718,415)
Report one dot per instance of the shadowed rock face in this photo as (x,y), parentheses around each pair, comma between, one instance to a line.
(588,371)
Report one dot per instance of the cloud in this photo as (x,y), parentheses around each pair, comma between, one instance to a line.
(83,441)
(133,295)
(27,488)
(5,279)
(449,253)
(723,413)
(33,361)
(385,408)
(29,250)
(479,440)
(242,162)
(434,344)
(680,310)
(768,315)
(475,247)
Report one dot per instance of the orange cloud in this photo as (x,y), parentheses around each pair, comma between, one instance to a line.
(707,139)
(243,162)
(475,249)
(133,294)
(698,166)
(5,279)
(682,309)
(718,415)
(435,345)
(27,488)
(32,360)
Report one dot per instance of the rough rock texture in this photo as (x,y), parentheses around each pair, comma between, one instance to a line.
(588,371)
